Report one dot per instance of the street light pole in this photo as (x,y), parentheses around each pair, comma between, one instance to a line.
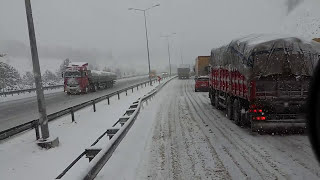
(43,119)
(169,56)
(146,28)
(167,37)
(145,25)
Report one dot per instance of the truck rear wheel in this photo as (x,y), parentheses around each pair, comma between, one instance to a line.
(211,98)
(229,108)
(236,112)
(216,101)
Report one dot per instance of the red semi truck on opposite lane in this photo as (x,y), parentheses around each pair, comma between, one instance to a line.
(262,81)
(79,79)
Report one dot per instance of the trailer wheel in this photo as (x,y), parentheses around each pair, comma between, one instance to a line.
(230,108)
(216,101)
(94,88)
(86,90)
(236,112)
(211,98)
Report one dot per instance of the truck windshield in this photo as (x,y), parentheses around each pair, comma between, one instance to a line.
(72,74)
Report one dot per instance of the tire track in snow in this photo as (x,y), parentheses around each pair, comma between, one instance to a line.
(297,156)
(188,153)
(188,146)
(157,156)
(235,161)
(266,156)
(174,141)
(199,144)
(262,157)
(229,142)
(214,153)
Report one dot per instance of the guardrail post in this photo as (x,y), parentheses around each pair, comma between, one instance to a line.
(36,128)
(72,114)
(108,100)
(138,87)
(94,105)
(132,90)
(118,95)
(145,84)
(126,93)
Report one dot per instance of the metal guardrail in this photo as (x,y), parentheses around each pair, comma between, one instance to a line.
(28,90)
(99,156)
(71,110)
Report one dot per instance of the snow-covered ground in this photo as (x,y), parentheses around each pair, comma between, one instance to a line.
(21,158)
(180,136)
(27,95)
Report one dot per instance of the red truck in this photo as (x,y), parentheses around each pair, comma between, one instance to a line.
(79,79)
(262,81)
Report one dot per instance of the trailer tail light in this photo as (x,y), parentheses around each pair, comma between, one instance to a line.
(255,109)
(259,118)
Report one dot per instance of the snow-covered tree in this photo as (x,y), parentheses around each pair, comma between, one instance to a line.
(118,72)
(93,67)
(106,69)
(63,67)
(9,77)
(49,78)
(28,79)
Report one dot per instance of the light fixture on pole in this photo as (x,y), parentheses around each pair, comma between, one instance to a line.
(167,37)
(146,28)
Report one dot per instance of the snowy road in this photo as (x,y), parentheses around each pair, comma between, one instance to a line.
(181,136)
(24,110)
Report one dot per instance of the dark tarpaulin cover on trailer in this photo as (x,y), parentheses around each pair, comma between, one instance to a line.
(263,55)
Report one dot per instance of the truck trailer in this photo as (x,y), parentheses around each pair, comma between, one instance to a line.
(184,72)
(79,79)
(202,66)
(262,81)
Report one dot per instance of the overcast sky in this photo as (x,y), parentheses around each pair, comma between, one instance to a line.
(108,26)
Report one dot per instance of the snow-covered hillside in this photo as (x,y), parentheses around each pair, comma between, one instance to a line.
(24,64)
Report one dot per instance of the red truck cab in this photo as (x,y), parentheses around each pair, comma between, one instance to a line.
(202,84)
(76,78)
